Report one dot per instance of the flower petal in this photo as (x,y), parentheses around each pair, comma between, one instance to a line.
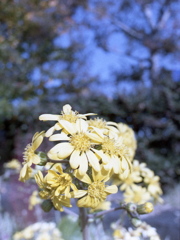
(35,159)
(94,137)
(84,202)
(102,155)
(50,131)
(60,151)
(93,160)
(81,125)
(69,127)
(85,178)
(74,159)
(111,189)
(49,117)
(83,164)
(37,139)
(59,137)
(67,109)
(78,194)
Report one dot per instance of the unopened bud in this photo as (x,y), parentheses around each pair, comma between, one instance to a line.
(136,222)
(46,205)
(131,207)
(43,158)
(145,208)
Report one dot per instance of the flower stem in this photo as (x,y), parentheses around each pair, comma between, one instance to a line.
(84,223)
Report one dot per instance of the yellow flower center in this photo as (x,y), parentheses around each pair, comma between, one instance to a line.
(96,190)
(129,180)
(28,153)
(69,117)
(97,122)
(80,142)
(109,147)
(64,180)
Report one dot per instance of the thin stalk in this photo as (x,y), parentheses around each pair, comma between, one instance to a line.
(84,223)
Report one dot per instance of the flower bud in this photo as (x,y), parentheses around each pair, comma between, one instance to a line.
(136,222)
(145,208)
(43,158)
(46,205)
(131,207)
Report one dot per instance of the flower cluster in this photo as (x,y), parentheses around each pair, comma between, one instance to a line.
(86,155)
(141,185)
(39,231)
(145,231)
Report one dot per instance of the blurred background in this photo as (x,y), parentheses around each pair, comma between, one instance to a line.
(120,59)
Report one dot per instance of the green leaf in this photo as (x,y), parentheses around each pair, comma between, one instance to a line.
(70,228)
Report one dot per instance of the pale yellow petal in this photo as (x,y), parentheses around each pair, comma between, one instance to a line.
(102,156)
(74,159)
(50,131)
(85,178)
(102,175)
(111,189)
(124,163)
(115,164)
(81,125)
(61,150)
(83,164)
(23,170)
(78,194)
(59,137)
(49,117)
(67,109)
(69,127)
(94,137)
(35,159)
(37,140)
(99,132)
(84,202)
(93,160)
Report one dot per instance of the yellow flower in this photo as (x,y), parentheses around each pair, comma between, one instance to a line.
(133,177)
(127,134)
(97,123)
(66,114)
(153,185)
(49,193)
(13,164)
(60,201)
(97,190)
(34,200)
(61,182)
(46,191)
(25,173)
(139,167)
(30,156)
(77,145)
(113,152)
(136,194)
